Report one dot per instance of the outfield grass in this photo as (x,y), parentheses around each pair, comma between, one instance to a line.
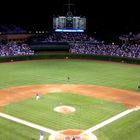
(117,75)
(122,76)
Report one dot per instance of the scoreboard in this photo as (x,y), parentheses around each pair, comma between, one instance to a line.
(69,24)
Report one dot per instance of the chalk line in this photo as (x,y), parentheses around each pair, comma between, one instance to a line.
(33,125)
(114,118)
(50,131)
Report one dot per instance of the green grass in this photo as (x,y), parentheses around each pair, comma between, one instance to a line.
(89,111)
(126,128)
(13,131)
(122,76)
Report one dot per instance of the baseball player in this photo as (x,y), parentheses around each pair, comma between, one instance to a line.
(41,135)
(37,97)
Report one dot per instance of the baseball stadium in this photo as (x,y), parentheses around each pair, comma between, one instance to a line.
(67,84)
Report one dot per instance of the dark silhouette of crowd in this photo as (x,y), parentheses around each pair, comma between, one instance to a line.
(14,49)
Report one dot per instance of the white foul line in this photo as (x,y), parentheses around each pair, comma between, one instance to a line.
(100,125)
(50,131)
(28,123)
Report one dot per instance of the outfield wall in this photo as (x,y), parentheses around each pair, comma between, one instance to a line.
(69,56)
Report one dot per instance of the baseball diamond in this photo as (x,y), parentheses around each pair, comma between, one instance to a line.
(72,107)
(69,70)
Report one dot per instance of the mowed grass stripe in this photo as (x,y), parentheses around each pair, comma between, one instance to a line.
(98,73)
(88,111)
(11,131)
(126,128)
(80,72)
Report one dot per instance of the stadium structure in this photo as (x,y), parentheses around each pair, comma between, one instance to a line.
(67,85)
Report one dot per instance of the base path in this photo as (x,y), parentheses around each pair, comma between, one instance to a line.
(14,94)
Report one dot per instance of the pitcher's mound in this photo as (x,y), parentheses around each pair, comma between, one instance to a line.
(72,134)
(64,109)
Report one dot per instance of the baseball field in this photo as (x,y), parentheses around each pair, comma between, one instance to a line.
(96,90)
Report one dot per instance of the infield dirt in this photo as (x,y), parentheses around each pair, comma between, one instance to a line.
(128,98)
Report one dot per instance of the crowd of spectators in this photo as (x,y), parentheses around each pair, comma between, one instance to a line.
(65,37)
(129,50)
(80,43)
(14,49)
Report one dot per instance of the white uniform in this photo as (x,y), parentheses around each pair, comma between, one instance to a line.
(41,137)
(37,97)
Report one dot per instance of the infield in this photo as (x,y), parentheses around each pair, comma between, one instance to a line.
(25,79)
(128,98)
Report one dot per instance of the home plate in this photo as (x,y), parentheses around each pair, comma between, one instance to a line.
(72,134)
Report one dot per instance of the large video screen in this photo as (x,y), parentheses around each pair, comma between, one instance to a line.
(69,24)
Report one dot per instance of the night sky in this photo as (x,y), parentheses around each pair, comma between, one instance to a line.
(104,18)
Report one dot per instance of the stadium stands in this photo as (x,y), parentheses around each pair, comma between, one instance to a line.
(13,49)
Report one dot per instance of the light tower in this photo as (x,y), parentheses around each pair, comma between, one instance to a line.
(69,4)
